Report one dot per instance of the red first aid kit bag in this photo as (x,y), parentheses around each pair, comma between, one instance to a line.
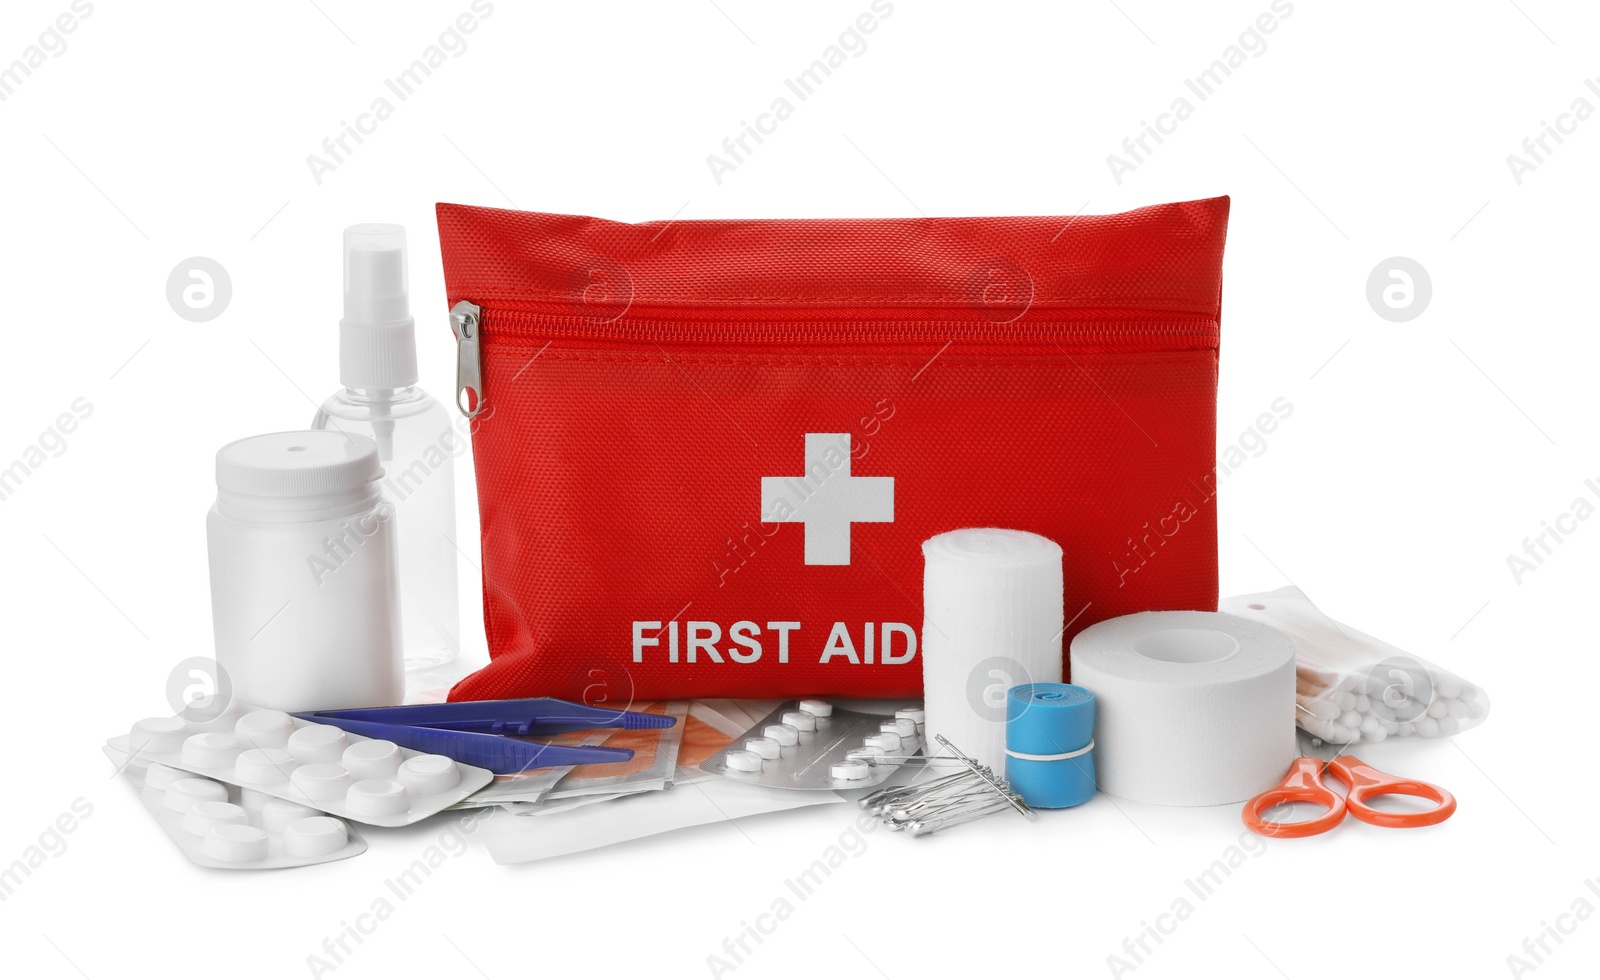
(708,452)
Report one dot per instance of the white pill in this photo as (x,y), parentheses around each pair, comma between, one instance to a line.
(321,781)
(254,799)
(1438,709)
(277,815)
(887,741)
(1448,686)
(1449,726)
(903,727)
(742,760)
(156,735)
(373,759)
(818,709)
(377,798)
(1350,720)
(266,767)
(315,836)
(867,753)
(185,793)
(428,775)
(210,750)
(158,777)
(235,844)
(800,721)
(264,729)
(766,748)
(1456,709)
(1428,727)
(201,817)
(1345,700)
(317,743)
(917,715)
(849,770)
(782,734)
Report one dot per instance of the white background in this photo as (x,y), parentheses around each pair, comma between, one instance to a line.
(1418,457)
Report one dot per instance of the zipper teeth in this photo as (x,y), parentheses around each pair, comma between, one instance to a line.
(1085,327)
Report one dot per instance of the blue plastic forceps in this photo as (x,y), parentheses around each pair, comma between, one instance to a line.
(474,732)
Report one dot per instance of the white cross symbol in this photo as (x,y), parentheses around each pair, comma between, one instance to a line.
(827,499)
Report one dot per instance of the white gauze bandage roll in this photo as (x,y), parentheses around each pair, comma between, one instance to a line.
(1195,708)
(992,618)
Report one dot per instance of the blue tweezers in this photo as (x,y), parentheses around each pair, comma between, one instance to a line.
(474,732)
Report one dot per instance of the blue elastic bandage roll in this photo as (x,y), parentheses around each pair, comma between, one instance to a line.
(1050,744)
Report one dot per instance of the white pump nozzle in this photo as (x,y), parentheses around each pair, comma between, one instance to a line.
(377,337)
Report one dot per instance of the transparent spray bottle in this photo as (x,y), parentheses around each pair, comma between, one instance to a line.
(417,442)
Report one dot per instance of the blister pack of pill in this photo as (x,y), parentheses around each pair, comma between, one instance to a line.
(367,780)
(815,744)
(218,826)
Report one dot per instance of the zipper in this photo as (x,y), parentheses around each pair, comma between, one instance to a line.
(848,325)
(1093,327)
(465,321)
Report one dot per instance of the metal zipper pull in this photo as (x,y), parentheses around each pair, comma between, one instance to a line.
(465,318)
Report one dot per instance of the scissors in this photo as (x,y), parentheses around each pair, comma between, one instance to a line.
(1303,784)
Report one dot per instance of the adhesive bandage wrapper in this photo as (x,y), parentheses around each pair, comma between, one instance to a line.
(1193,708)
(1050,744)
(993,608)
(1351,687)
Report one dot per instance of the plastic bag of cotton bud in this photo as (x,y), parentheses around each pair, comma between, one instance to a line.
(1351,687)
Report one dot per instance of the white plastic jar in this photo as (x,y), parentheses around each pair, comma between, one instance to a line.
(304,594)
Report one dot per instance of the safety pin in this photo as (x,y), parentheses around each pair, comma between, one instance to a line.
(918,828)
(910,789)
(983,773)
(908,812)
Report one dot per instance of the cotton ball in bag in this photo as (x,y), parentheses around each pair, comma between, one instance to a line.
(1321,709)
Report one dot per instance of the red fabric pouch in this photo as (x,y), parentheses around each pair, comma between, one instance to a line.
(708,452)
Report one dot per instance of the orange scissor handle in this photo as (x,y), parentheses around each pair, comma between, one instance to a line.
(1302,784)
(1366,782)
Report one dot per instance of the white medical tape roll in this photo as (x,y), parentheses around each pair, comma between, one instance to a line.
(1195,708)
(992,607)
